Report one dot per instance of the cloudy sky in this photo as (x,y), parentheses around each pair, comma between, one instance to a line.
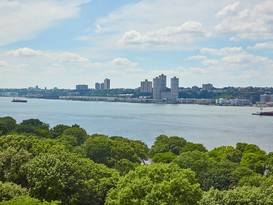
(61,43)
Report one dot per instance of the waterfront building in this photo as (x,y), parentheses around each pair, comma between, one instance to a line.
(97,86)
(106,84)
(160,90)
(207,87)
(146,86)
(159,84)
(82,87)
(266,98)
(174,89)
(102,86)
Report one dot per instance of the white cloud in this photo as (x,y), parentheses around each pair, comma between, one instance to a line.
(25,52)
(265,45)
(68,57)
(228,10)
(22,20)
(122,62)
(184,33)
(247,20)
(197,57)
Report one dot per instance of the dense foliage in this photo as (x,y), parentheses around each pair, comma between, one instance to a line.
(65,165)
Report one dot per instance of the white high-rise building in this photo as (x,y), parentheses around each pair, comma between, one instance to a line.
(174,88)
(159,84)
(146,86)
(106,84)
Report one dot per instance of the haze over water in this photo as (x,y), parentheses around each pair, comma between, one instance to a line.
(212,126)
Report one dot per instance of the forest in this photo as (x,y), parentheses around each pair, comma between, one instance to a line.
(43,165)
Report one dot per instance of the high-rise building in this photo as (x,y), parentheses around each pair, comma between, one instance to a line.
(81,87)
(174,88)
(106,84)
(97,86)
(159,84)
(207,87)
(146,86)
(102,86)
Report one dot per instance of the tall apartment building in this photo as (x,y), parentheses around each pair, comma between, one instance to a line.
(81,87)
(159,84)
(146,86)
(174,88)
(106,84)
(97,86)
(207,87)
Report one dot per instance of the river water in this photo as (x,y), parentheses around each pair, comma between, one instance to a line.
(210,125)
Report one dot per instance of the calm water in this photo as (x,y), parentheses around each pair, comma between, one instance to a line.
(210,125)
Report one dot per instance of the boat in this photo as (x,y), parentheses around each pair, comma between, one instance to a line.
(270,113)
(19,100)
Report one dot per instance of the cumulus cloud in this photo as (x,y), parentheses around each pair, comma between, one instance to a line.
(122,62)
(265,45)
(247,21)
(68,57)
(25,52)
(21,20)
(184,33)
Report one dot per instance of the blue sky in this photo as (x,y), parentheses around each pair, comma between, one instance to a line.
(61,43)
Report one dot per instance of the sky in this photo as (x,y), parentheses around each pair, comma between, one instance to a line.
(62,43)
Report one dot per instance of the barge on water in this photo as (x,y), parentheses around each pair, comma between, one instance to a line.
(19,100)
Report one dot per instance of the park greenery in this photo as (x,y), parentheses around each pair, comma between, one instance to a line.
(43,165)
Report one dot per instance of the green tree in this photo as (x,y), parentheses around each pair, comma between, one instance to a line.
(58,130)
(9,190)
(33,126)
(25,200)
(189,147)
(7,124)
(166,157)
(164,143)
(156,184)
(77,132)
(239,196)
(70,179)
(12,165)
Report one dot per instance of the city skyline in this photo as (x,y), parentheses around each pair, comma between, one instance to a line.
(61,43)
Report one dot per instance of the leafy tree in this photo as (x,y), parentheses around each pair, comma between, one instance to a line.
(109,151)
(255,161)
(226,153)
(25,200)
(156,184)
(12,164)
(189,147)
(124,166)
(58,130)
(166,157)
(164,143)
(69,179)
(240,196)
(33,126)
(9,190)
(77,132)
(7,124)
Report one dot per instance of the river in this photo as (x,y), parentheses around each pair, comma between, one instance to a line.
(210,125)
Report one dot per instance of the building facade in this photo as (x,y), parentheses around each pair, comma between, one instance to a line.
(146,86)
(97,86)
(82,87)
(159,85)
(207,87)
(174,88)
(106,84)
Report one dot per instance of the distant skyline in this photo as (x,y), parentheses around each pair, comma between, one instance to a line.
(62,43)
